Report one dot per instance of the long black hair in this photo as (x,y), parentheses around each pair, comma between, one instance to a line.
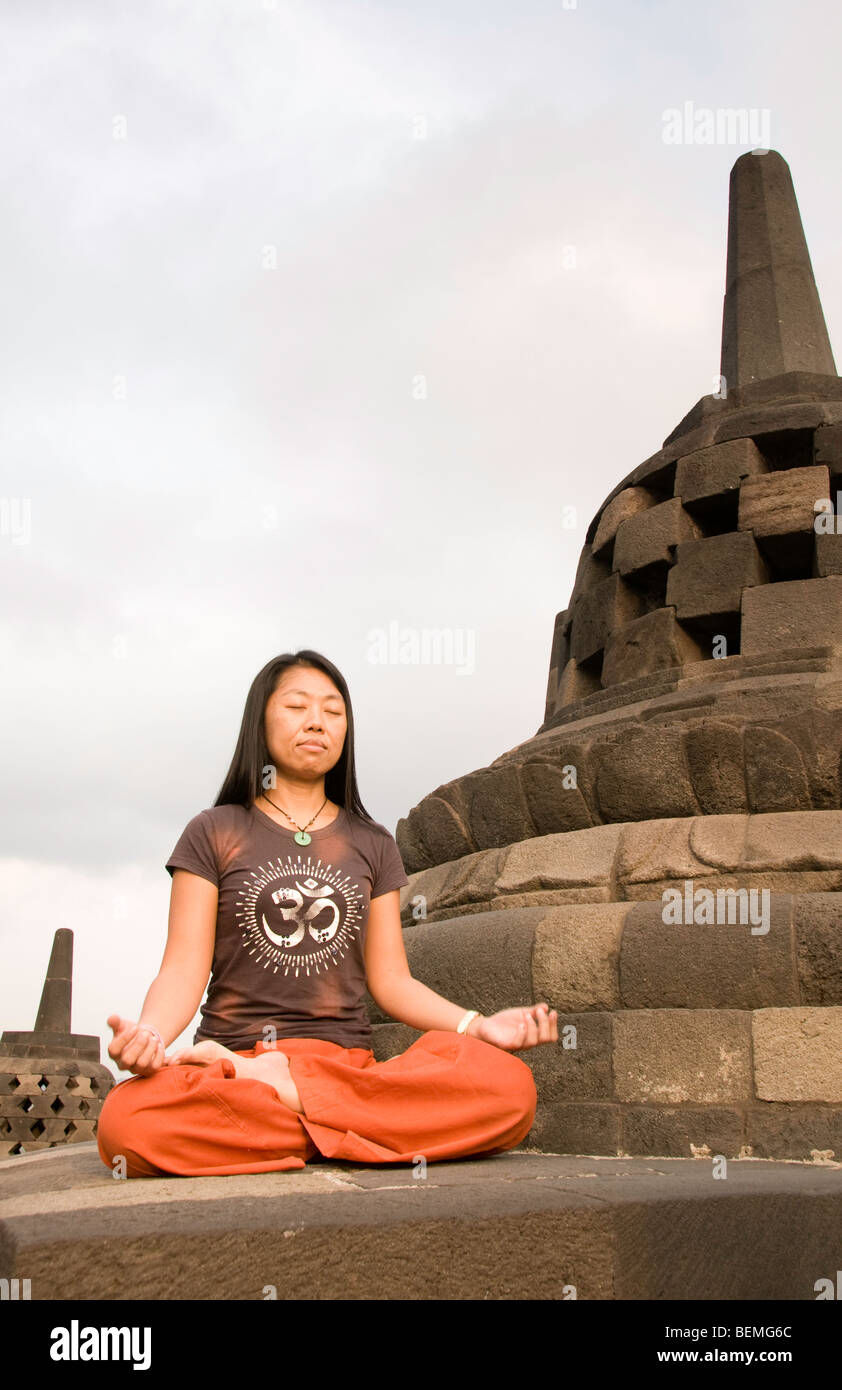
(244,779)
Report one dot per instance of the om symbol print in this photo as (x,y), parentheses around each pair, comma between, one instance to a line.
(291,903)
(299,915)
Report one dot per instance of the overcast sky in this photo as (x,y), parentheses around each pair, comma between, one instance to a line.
(321,318)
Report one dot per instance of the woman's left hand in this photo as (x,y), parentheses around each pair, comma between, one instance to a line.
(516,1029)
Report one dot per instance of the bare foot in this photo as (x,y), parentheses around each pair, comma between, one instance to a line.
(200,1054)
(271,1067)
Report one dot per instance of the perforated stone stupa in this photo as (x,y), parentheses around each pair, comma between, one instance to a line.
(52,1084)
(691,740)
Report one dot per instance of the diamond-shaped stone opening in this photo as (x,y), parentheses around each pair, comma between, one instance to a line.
(84,1107)
(5,1127)
(710,629)
(37,1129)
(70,1128)
(651,585)
(785,449)
(43,1082)
(788,557)
(72,1083)
(26,1104)
(16,1149)
(593,665)
(94,1084)
(716,516)
(14,1082)
(57,1105)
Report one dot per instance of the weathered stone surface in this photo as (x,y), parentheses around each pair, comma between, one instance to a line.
(698,965)
(559,657)
(48,1102)
(709,576)
(497,811)
(827,452)
(483,961)
(715,757)
(390,1039)
(520,1224)
(816,732)
(648,644)
(782,503)
(591,570)
(769,425)
(578,1066)
(794,840)
(817,921)
(575,684)
(791,386)
(718,841)
(452,888)
(442,833)
(800,1131)
(560,861)
(713,473)
(772,320)
(607,606)
(414,852)
(798,613)
(576,954)
(635,861)
(627,503)
(684,1131)
(828,555)
(650,851)
(554,804)
(776,778)
(798,1053)
(644,775)
(665,1056)
(650,537)
(568,1127)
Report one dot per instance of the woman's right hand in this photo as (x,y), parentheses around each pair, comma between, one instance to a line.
(133,1048)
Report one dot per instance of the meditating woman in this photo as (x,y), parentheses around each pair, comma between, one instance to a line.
(287,893)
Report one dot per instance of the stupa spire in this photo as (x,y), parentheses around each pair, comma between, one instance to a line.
(54,1009)
(772,320)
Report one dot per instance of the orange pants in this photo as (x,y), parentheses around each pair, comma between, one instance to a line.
(446,1096)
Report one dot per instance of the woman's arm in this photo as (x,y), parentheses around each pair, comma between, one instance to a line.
(390,983)
(407,1000)
(176,992)
(170,1003)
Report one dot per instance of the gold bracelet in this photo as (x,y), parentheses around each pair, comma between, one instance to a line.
(466,1021)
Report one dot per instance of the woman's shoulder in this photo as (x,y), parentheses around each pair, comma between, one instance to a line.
(220,817)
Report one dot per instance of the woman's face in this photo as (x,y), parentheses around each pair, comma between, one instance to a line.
(305,706)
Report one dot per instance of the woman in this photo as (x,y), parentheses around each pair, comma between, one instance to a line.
(287,892)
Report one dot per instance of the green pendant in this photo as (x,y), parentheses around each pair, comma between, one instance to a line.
(301,837)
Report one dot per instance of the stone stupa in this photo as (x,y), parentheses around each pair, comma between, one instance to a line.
(691,740)
(52,1084)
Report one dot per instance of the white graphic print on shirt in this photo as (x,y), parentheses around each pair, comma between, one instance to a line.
(298,915)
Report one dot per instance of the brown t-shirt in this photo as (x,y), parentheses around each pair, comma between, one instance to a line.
(291,924)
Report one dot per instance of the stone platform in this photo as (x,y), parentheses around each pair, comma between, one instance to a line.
(520,1225)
